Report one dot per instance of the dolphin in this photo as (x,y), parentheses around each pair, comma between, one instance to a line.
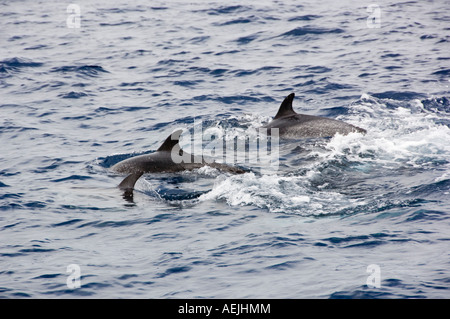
(168,158)
(295,125)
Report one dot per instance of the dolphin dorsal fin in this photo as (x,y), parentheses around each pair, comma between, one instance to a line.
(286,107)
(170,141)
(128,183)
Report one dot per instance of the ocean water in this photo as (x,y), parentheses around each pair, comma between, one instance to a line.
(357,216)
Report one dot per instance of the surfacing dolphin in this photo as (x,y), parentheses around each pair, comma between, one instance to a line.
(162,161)
(295,125)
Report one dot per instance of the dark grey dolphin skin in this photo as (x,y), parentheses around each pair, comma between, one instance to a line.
(162,161)
(295,125)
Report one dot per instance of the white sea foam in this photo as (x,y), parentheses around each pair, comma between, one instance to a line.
(397,138)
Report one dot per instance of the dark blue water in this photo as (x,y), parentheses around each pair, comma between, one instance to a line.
(74,101)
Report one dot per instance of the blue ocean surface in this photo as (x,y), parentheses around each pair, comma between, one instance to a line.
(357,216)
